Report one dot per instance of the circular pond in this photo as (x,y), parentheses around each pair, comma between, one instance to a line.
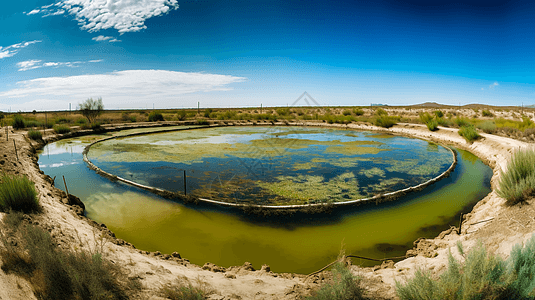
(302,243)
(273,165)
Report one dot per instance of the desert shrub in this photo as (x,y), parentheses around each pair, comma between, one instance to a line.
(384,121)
(181,115)
(61,129)
(35,134)
(460,121)
(381,112)
(18,193)
(358,111)
(184,290)
(425,117)
(518,182)
(487,127)
(133,119)
(155,116)
(480,276)
(208,112)
(59,274)
(283,111)
(81,121)
(344,286)
(432,125)
(521,263)
(469,133)
(32,123)
(444,122)
(202,122)
(62,120)
(18,122)
(486,113)
(346,112)
(96,126)
(439,114)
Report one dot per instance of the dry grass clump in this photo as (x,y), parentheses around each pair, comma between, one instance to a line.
(30,252)
(184,290)
(518,182)
(469,133)
(18,193)
(478,275)
(35,134)
(344,286)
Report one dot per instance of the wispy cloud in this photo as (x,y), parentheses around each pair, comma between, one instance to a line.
(495,84)
(122,15)
(9,51)
(131,88)
(101,38)
(35,64)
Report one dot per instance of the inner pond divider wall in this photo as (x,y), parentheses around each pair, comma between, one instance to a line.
(301,207)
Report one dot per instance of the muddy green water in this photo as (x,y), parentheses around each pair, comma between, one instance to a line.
(299,244)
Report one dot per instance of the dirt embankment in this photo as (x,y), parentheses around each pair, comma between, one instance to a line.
(507,226)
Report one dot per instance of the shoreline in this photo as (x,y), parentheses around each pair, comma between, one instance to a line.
(493,150)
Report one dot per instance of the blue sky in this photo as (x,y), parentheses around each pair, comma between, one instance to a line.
(173,54)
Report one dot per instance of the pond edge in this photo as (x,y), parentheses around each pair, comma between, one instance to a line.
(312,207)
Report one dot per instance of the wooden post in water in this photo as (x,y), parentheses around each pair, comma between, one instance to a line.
(185,183)
(65,183)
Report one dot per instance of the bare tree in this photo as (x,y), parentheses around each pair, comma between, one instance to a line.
(91,109)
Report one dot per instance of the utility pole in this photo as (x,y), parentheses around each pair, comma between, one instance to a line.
(260,107)
(198,108)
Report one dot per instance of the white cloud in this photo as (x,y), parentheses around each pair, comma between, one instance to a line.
(495,84)
(33,12)
(101,38)
(122,15)
(28,65)
(120,89)
(14,49)
(35,64)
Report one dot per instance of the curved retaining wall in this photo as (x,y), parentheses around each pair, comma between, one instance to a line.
(173,195)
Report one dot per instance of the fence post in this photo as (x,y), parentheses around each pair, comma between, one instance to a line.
(65,183)
(15,145)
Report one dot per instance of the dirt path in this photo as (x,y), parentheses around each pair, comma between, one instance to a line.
(63,221)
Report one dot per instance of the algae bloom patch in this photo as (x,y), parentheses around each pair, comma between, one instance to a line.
(273,165)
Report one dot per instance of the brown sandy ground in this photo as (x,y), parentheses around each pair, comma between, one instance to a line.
(508,226)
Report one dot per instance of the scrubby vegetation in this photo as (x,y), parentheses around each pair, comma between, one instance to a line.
(469,133)
(343,286)
(61,129)
(487,127)
(184,290)
(478,275)
(155,116)
(55,273)
(18,122)
(518,182)
(18,193)
(35,134)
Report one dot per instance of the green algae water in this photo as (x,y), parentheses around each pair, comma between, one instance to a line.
(273,165)
(299,243)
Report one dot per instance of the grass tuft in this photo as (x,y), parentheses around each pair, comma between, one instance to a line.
(35,134)
(518,182)
(18,122)
(385,121)
(184,290)
(18,193)
(469,133)
(155,116)
(344,286)
(62,129)
(432,125)
(479,276)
